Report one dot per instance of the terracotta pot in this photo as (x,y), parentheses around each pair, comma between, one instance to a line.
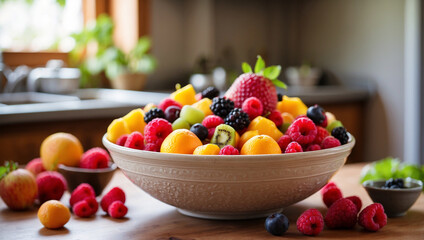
(129,81)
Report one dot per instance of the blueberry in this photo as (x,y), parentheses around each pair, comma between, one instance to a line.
(316,114)
(172,113)
(277,224)
(200,131)
(280,97)
(394,183)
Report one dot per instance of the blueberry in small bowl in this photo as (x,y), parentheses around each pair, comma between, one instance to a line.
(396,195)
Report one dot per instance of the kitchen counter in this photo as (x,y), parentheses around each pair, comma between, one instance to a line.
(148,218)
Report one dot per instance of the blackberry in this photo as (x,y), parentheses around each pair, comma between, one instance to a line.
(394,183)
(154,113)
(237,119)
(210,92)
(341,134)
(316,114)
(280,97)
(221,106)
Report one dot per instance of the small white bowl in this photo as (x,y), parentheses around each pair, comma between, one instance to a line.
(229,187)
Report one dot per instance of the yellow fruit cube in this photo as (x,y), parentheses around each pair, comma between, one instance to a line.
(117,128)
(208,149)
(204,105)
(292,105)
(135,120)
(185,95)
(265,127)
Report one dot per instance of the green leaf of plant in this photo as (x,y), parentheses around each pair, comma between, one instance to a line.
(272,72)
(61,2)
(246,67)
(279,83)
(408,170)
(260,65)
(3,171)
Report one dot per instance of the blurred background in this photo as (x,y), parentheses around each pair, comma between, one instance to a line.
(76,65)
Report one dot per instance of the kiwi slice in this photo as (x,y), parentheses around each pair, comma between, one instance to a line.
(224,135)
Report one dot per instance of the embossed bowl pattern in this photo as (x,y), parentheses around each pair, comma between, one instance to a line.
(229,187)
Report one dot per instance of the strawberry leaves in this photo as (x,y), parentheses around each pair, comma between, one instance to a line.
(246,67)
(271,72)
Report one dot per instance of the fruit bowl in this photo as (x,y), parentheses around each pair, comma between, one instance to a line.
(97,178)
(229,187)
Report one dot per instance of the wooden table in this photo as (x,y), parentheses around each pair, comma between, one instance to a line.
(148,218)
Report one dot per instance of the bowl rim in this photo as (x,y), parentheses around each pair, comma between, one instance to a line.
(111,168)
(190,157)
(368,185)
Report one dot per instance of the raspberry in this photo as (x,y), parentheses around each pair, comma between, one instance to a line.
(135,140)
(212,121)
(51,186)
(372,218)
(229,150)
(303,131)
(35,166)
(293,147)
(321,134)
(211,131)
(221,106)
(330,194)
(154,113)
(122,139)
(253,107)
(82,209)
(83,191)
(276,117)
(341,134)
(341,214)
(95,158)
(357,201)
(313,147)
(86,208)
(117,209)
(237,119)
(152,147)
(210,92)
(167,102)
(93,204)
(156,131)
(310,222)
(115,194)
(284,141)
(330,142)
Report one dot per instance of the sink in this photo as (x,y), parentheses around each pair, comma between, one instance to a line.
(84,103)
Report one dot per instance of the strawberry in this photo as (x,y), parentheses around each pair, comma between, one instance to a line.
(260,84)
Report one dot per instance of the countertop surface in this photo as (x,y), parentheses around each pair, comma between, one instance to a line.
(96,103)
(148,218)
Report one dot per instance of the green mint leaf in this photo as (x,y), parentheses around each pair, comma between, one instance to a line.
(272,72)
(246,67)
(260,65)
(279,83)
(408,170)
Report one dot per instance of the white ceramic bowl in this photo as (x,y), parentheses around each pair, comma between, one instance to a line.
(229,187)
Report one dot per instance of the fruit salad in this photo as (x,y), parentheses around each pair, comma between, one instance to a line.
(250,118)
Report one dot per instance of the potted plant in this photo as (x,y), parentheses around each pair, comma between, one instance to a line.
(95,53)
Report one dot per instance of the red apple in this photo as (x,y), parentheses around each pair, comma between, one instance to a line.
(18,189)
(35,166)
